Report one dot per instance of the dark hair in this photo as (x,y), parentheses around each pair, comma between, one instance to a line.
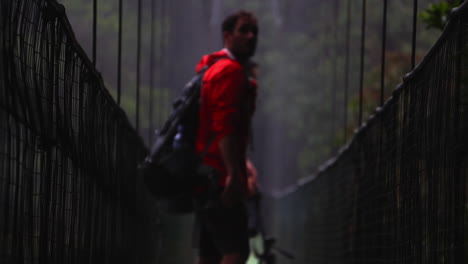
(230,21)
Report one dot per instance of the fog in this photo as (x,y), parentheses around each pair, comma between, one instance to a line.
(301,108)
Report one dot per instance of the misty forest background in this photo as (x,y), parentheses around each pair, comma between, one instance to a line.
(300,115)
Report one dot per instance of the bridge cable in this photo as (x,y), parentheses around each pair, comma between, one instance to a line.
(335,69)
(361,80)
(161,31)
(94,30)
(164,41)
(159,98)
(168,13)
(346,71)
(382,82)
(119,55)
(413,45)
(384,39)
(137,117)
(150,116)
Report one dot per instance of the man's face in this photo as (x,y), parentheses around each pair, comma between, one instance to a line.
(242,42)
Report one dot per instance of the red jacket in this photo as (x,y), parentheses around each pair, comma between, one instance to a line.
(227,106)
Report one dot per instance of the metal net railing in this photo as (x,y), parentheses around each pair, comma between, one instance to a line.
(69,191)
(398,192)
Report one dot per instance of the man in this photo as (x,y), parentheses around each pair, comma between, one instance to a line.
(227,106)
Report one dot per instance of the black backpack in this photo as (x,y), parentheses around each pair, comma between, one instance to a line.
(173,167)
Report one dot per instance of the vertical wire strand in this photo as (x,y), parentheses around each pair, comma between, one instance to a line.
(461,201)
(162,84)
(382,87)
(384,39)
(361,79)
(159,53)
(150,114)
(137,117)
(346,77)
(160,42)
(413,42)
(119,56)
(335,69)
(166,49)
(94,30)
(157,63)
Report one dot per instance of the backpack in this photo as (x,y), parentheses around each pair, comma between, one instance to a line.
(174,167)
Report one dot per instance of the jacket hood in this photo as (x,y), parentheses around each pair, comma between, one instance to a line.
(209,59)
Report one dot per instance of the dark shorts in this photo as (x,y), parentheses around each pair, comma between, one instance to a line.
(219,231)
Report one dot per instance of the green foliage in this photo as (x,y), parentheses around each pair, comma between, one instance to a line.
(436,15)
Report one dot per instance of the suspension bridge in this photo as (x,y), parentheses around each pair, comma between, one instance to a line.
(395,191)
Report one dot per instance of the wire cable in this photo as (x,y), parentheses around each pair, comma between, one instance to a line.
(119,55)
(137,112)
(346,72)
(413,41)
(361,71)
(384,39)
(151,91)
(94,30)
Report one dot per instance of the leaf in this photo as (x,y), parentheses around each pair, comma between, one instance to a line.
(436,15)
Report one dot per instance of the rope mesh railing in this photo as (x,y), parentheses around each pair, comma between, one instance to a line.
(397,193)
(69,192)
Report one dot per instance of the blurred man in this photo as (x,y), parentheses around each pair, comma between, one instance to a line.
(227,106)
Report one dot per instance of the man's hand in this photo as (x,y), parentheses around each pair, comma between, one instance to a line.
(251,178)
(234,193)
(235,190)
